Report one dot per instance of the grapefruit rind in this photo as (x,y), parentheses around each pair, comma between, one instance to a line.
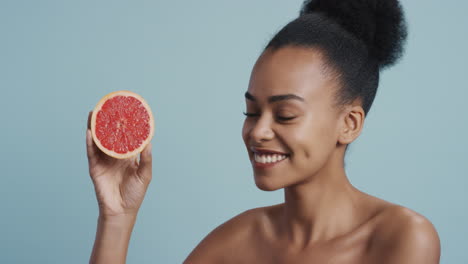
(93,125)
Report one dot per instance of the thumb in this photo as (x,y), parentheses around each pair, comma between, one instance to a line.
(145,170)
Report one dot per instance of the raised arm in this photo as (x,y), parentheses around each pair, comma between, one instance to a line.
(112,239)
(120,187)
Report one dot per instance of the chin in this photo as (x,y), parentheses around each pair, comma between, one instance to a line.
(266,185)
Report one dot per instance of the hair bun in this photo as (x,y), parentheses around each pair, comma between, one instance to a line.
(379,23)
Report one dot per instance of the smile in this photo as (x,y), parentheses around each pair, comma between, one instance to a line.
(268,160)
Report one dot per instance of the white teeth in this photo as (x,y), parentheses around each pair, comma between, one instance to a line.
(268,158)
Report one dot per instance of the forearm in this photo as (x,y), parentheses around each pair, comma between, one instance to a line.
(112,239)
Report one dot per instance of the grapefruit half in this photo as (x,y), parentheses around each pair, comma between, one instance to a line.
(122,124)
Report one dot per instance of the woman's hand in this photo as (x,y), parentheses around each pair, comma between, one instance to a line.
(120,185)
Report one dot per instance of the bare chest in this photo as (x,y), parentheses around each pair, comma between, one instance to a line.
(320,254)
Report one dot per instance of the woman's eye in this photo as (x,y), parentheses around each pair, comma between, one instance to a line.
(283,118)
(250,114)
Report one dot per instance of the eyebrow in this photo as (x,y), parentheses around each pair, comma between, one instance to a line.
(276,98)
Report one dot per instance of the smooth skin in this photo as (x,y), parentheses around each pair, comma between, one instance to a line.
(324,219)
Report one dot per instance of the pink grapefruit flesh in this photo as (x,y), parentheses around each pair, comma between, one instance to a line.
(122,124)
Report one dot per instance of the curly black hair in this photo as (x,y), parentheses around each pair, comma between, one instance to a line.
(357,37)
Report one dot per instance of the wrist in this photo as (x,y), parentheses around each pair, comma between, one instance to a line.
(121,219)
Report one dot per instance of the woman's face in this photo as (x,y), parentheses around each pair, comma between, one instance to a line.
(310,136)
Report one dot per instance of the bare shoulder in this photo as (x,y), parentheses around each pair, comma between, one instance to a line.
(226,240)
(404,236)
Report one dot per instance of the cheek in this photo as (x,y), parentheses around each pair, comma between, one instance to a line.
(313,142)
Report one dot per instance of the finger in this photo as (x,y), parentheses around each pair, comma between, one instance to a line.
(89,119)
(91,148)
(145,170)
(135,161)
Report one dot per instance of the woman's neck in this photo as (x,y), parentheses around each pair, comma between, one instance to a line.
(321,208)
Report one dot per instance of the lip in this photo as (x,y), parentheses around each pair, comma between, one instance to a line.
(267,151)
(259,165)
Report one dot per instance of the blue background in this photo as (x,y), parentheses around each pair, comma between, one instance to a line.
(191,60)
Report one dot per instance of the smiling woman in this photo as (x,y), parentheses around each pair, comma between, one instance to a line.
(309,93)
(308,96)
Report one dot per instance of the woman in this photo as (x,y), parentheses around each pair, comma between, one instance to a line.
(307,99)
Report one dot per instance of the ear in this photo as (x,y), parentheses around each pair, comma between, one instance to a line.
(352,123)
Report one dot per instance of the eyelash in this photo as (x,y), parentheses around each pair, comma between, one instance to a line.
(281,118)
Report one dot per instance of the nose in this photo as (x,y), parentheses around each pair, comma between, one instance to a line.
(261,130)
